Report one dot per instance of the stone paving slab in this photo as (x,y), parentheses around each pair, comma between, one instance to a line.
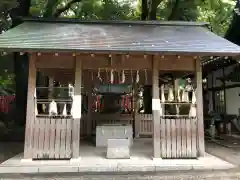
(173,175)
(207,163)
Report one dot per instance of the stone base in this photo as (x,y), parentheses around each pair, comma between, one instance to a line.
(74,160)
(118,149)
(156,159)
(26,160)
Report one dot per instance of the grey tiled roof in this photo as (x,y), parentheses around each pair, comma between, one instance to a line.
(123,38)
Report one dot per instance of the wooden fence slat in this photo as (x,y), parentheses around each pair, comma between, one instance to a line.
(35,138)
(184,138)
(41,137)
(52,138)
(68,138)
(174,138)
(168,137)
(57,140)
(163,137)
(179,138)
(63,138)
(194,137)
(189,137)
(47,138)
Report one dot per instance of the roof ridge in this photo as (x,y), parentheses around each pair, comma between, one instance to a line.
(109,22)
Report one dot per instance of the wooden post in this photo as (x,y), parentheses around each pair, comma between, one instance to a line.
(135,113)
(77,108)
(156,106)
(28,145)
(89,115)
(199,97)
(50,88)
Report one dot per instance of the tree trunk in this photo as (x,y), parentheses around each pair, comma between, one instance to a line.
(153,9)
(144,14)
(50,8)
(20,65)
(233,32)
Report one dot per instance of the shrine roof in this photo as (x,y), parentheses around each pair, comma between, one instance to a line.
(148,37)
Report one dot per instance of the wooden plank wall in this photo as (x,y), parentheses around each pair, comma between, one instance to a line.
(178,138)
(52,138)
(145,124)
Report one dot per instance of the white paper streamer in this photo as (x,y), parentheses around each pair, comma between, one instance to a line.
(162,94)
(64,113)
(137,77)
(193,111)
(170,95)
(179,95)
(185,96)
(99,75)
(112,77)
(123,76)
(194,97)
(53,108)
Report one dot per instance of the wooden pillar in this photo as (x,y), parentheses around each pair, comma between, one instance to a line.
(28,145)
(89,115)
(156,106)
(50,87)
(200,120)
(135,113)
(77,108)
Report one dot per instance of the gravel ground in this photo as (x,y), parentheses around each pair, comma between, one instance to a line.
(211,175)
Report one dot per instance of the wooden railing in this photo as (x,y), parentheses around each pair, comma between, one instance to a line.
(52,137)
(178,137)
(145,127)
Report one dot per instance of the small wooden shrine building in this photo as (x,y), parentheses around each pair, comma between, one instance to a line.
(91,58)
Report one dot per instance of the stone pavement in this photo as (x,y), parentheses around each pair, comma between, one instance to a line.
(231,155)
(233,174)
(9,149)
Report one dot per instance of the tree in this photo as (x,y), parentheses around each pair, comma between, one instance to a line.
(218,12)
(233,32)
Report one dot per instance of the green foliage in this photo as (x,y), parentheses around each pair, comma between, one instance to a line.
(5,7)
(7,83)
(218,13)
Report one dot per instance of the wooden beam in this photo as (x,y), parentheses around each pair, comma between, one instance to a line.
(199,97)
(28,145)
(77,107)
(156,106)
